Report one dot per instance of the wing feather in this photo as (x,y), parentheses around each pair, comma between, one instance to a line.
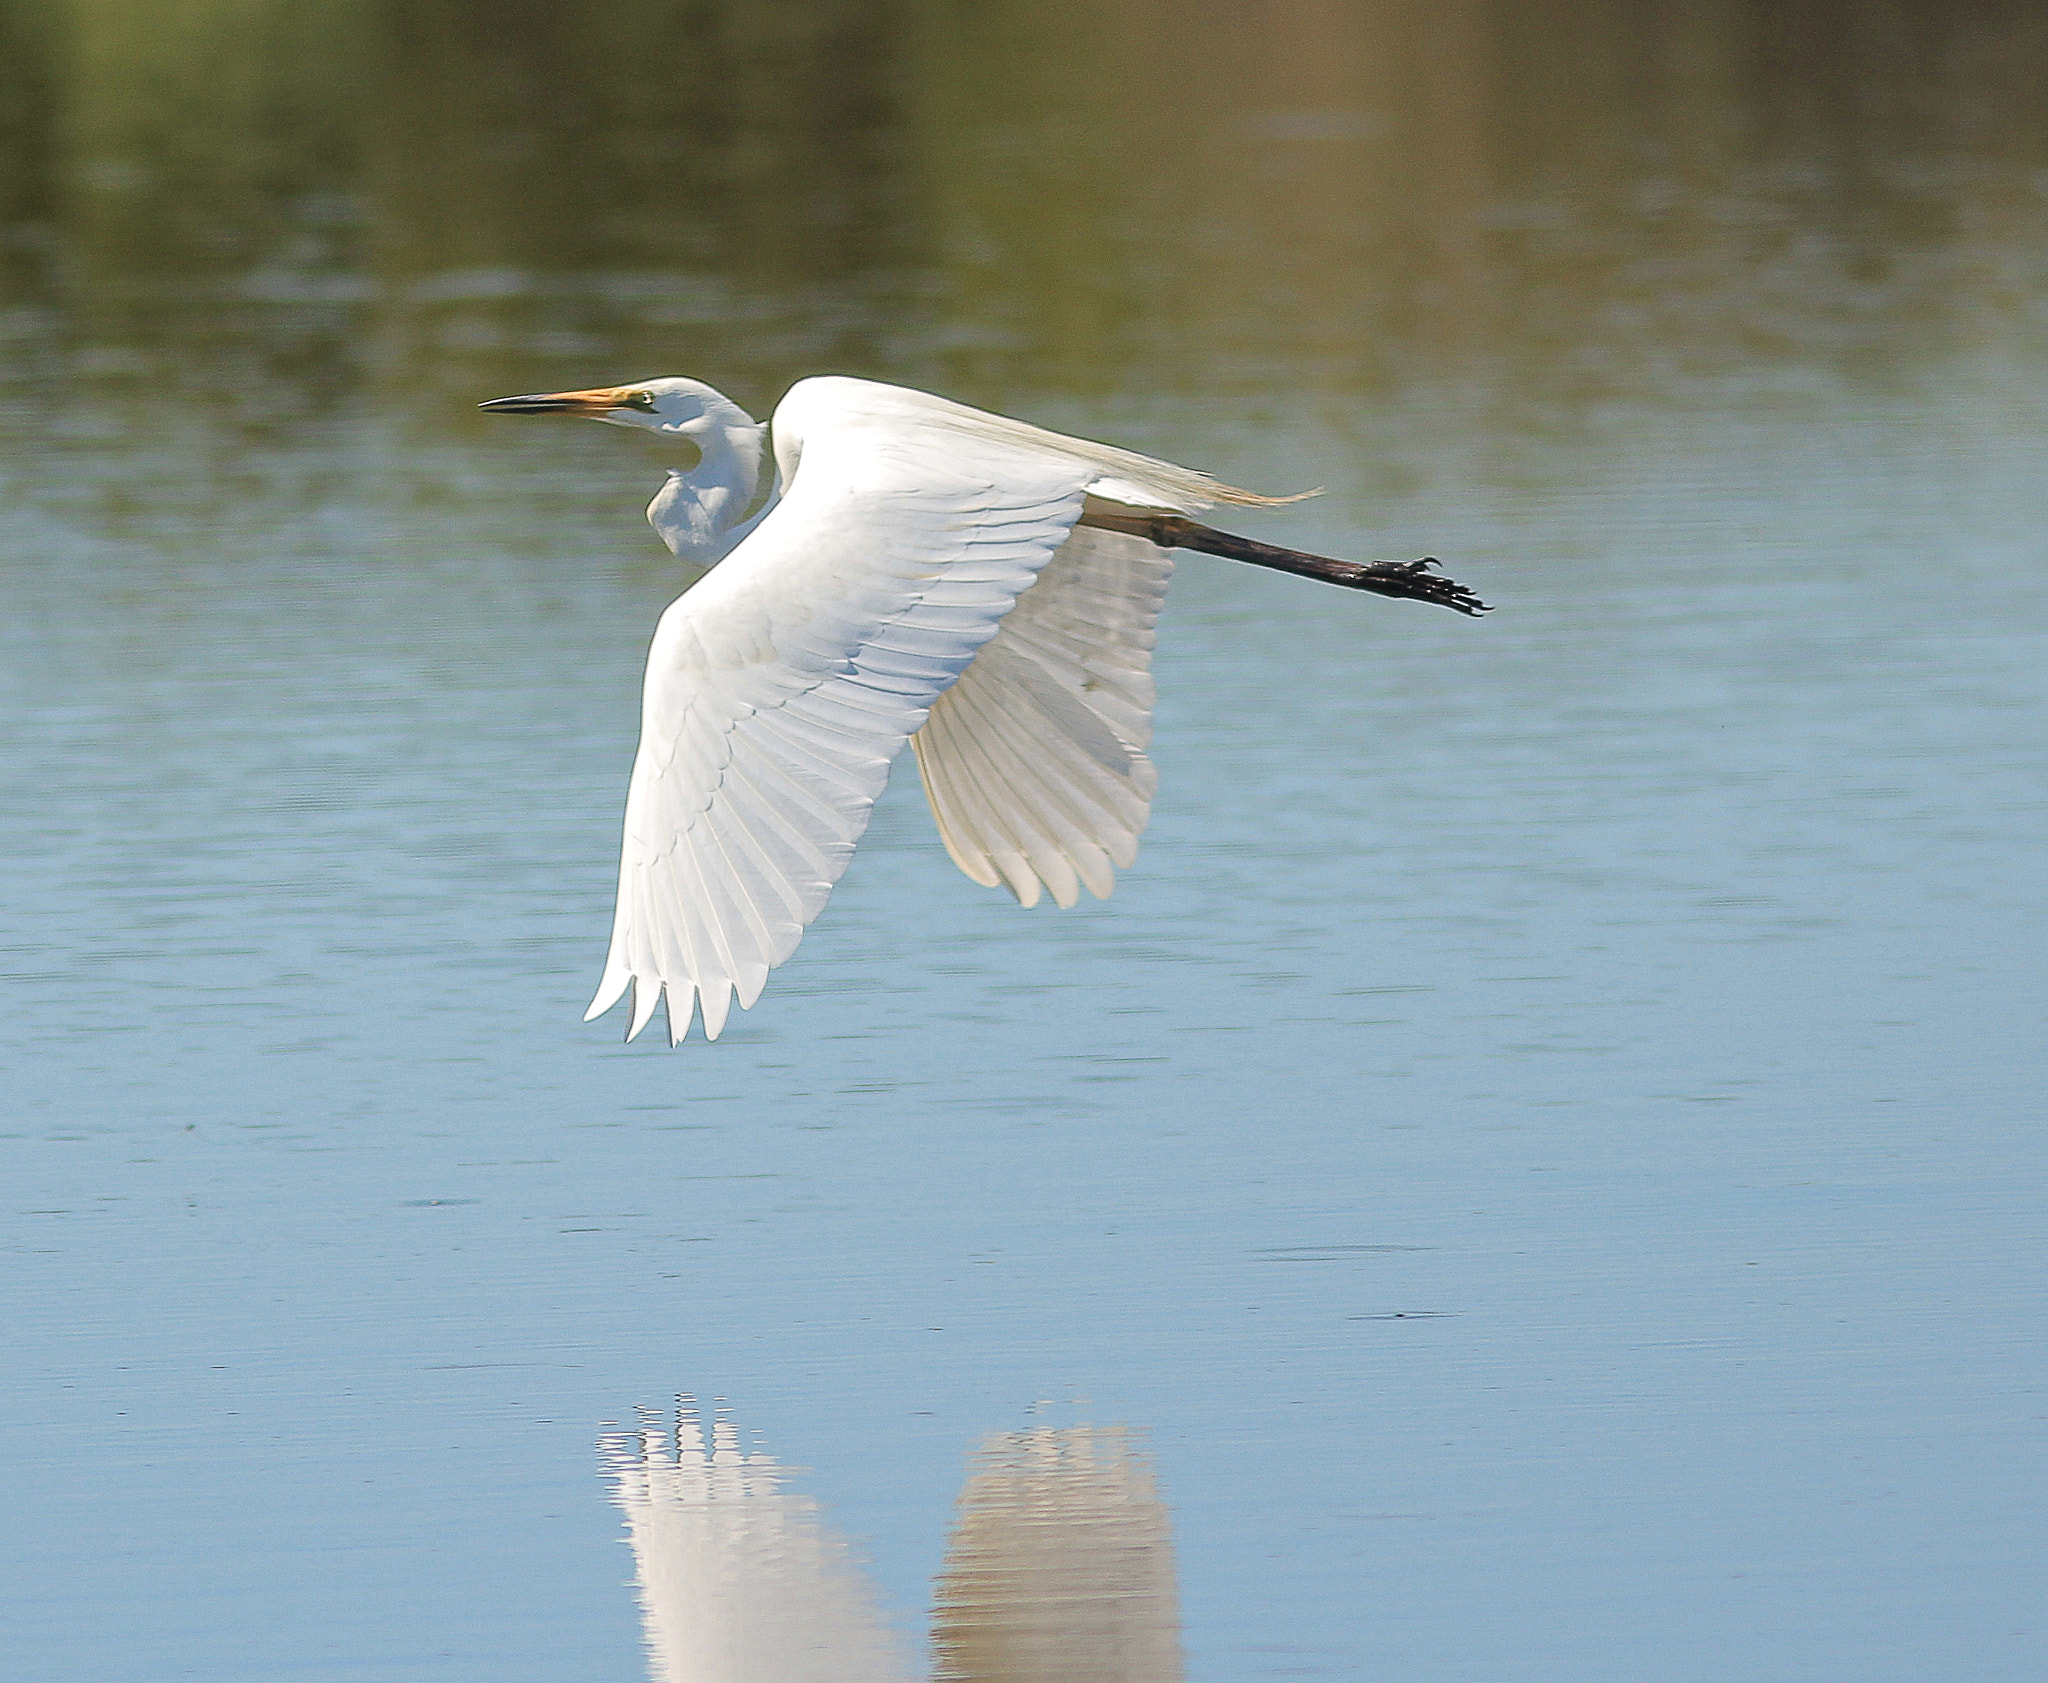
(1040,814)
(969,810)
(1034,762)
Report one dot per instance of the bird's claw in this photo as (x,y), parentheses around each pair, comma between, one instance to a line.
(1415,581)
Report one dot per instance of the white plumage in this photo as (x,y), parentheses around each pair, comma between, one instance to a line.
(918,577)
(1034,761)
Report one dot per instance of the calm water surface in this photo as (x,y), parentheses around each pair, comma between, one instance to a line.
(1546,1141)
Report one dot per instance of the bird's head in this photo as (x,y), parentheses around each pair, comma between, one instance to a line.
(670,404)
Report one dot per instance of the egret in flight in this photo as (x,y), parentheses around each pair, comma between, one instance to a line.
(918,571)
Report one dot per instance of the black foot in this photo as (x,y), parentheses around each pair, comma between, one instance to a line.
(1414,581)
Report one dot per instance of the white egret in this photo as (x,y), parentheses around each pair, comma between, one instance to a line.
(920,571)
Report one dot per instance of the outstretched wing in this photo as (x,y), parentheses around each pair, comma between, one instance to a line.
(1034,761)
(779,689)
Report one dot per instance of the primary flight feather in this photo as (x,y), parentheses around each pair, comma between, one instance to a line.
(921,571)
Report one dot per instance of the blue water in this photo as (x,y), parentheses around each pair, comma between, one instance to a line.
(1547,1139)
(1546,1144)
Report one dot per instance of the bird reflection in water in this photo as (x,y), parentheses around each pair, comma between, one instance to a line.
(1060,1565)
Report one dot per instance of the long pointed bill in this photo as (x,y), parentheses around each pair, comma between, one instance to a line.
(600,400)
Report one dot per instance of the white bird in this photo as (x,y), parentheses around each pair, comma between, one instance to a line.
(920,571)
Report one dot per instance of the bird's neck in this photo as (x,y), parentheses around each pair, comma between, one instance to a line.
(729,475)
(698,513)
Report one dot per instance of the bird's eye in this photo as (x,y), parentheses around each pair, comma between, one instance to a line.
(640,400)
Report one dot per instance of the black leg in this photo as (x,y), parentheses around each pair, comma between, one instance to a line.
(1410,580)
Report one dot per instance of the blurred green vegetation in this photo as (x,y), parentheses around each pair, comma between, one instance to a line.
(316,199)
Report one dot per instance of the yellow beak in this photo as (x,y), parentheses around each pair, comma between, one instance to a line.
(599,400)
